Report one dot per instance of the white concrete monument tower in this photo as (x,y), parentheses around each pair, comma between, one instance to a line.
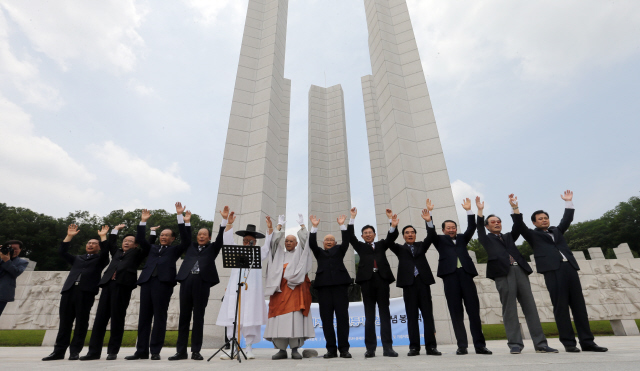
(407,163)
(329,189)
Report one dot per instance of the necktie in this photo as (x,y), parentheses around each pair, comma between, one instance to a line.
(511,259)
(196,266)
(415,269)
(375,264)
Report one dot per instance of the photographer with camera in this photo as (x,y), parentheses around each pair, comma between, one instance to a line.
(11,266)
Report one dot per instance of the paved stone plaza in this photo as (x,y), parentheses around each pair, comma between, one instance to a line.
(624,354)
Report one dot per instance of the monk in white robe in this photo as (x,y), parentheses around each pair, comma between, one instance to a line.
(288,284)
(253,310)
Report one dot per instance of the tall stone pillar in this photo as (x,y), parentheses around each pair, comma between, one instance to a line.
(253,179)
(329,189)
(407,163)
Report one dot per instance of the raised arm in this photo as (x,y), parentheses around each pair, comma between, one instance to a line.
(264,249)
(278,235)
(471,220)
(142,231)
(72,231)
(313,243)
(152,235)
(104,245)
(185,236)
(113,239)
(426,216)
(303,235)
(482,232)
(432,235)
(567,218)
(518,221)
(227,237)
(392,234)
(351,230)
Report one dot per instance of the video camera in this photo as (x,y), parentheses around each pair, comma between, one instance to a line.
(6,249)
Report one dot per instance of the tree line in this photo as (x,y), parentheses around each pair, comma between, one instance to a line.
(41,234)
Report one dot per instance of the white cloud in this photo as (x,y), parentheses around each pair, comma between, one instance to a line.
(209,11)
(547,40)
(22,74)
(37,173)
(138,172)
(102,34)
(140,88)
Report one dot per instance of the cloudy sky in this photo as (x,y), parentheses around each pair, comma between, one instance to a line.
(125,104)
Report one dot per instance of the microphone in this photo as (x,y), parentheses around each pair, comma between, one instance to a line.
(252,242)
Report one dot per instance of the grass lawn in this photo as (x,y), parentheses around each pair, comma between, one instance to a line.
(30,338)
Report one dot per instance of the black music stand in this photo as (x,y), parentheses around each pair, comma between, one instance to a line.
(242,257)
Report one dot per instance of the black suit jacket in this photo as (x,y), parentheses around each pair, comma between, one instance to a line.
(498,251)
(407,261)
(125,265)
(368,254)
(331,270)
(450,253)
(546,250)
(164,262)
(206,260)
(89,267)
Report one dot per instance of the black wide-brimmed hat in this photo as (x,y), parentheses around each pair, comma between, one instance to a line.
(250,231)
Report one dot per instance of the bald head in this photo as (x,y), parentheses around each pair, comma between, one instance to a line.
(329,241)
(290,242)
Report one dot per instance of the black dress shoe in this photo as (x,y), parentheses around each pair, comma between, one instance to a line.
(196,356)
(345,354)
(594,348)
(546,349)
(90,357)
(571,349)
(136,356)
(74,356)
(112,357)
(389,352)
(369,354)
(413,352)
(330,355)
(155,357)
(483,350)
(433,352)
(462,351)
(515,350)
(176,357)
(53,356)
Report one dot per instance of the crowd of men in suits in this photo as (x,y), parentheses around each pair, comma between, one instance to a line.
(288,284)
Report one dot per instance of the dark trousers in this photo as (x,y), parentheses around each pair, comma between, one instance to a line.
(335,299)
(458,288)
(376,291)
(75,305)
(154,304)
(566,292)
(2,305)
(418,297)
(113,304)
(194,296)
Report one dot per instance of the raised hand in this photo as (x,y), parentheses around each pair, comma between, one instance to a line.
(314,221)
(145,215)
(394,220)
(187,216)
(513,201)
(567,196)
(354,212)
(479,205)
(231,218)
(102,232)
(466,204)
(154,228)
(300,219)
(225,212)
(72,230)
(430,205)
(389,213)
(269,222)
(281,220)
(426,215)
(119,227)
(180,208)
(341,219)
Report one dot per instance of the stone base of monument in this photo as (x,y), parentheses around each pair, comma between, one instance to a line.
(625,327)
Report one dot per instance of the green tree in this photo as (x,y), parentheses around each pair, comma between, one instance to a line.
(481,254)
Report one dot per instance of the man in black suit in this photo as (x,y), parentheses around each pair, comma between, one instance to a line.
(157,279)
(332,282)
(556,262)
(457,270)
(197,275)
(374,277)
(79,292)
(117,283)
(415,277)
(510,270)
